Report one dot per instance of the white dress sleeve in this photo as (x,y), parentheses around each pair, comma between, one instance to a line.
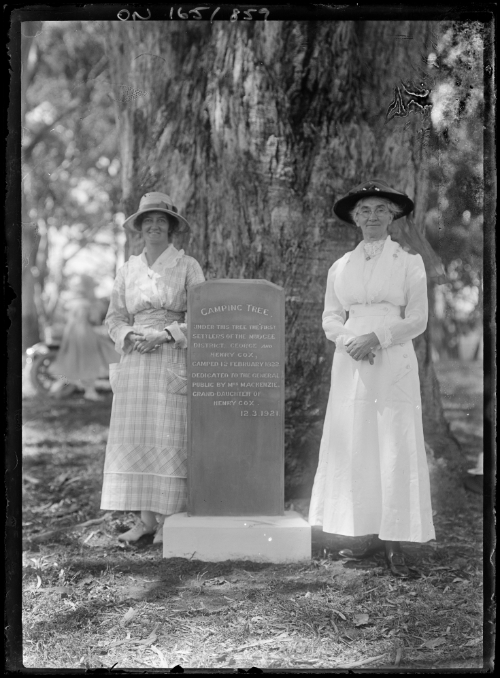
(416,309)
(334,314)
(117,318)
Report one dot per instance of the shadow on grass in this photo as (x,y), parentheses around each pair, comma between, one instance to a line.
(93,582)
(190,588)
(74,410)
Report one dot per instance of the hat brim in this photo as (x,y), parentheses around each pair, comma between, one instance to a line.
(345,205)
(183,225)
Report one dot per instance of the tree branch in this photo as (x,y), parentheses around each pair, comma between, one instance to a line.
(42,133)
(82,242)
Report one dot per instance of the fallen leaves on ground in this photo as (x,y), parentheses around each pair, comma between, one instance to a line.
(432,644)
(90,602)
(361,619)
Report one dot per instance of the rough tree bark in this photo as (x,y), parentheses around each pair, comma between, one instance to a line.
(255,130)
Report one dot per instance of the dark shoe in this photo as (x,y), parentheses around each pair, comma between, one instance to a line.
(370,548)
(395,560)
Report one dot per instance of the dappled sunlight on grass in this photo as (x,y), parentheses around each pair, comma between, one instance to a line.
(91,602)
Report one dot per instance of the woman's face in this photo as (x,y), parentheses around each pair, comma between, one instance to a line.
(373,218)
(155,228)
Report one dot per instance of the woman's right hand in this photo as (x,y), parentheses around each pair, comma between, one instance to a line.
(362,347)
(370,355)
(131,339)
(146,345)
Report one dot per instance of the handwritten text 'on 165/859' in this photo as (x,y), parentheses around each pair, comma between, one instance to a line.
(125,15)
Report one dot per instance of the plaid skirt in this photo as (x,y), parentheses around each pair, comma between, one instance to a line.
(146,454)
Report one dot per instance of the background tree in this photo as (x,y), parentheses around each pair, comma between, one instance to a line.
(29,239)
(455,218)
(69,158)
(255,129)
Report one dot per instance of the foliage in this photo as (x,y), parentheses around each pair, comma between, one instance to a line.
(280,131)
(455,222)
(71,168)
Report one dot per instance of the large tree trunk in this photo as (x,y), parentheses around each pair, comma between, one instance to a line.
(255,130)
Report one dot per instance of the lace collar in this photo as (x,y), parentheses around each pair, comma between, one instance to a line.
(371,249)
(167,259)
(349,285)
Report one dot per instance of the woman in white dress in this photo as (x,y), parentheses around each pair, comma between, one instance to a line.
(372,478)
(146,455)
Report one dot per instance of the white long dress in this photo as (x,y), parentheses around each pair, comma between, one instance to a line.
(372,475)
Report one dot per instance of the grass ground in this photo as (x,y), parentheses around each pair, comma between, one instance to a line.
(92,603)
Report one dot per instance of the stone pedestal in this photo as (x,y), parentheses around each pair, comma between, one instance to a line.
(272,539)
(236,430)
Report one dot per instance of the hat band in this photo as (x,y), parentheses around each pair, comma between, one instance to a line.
(160,205)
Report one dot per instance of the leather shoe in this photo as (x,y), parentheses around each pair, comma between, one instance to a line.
(396,561)
(370,548)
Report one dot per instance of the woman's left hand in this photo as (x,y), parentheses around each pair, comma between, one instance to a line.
(153,335)
(361,346)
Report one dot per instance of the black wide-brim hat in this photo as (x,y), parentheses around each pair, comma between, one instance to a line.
(377,188)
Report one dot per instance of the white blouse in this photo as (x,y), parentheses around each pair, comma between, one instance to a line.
(152,296)
(394,276)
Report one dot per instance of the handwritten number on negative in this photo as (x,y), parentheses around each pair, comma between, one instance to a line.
(197,16)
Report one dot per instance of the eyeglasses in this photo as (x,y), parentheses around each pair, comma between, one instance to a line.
(379,211)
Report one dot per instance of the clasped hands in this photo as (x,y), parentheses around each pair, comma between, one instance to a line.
(362,347)
(147,341)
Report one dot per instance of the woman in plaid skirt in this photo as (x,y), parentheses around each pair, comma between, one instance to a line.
(146,455)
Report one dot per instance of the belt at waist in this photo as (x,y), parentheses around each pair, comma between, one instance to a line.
(358,310)
(161,316)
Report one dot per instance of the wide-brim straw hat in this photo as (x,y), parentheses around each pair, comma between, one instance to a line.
(158,202)
(377,188)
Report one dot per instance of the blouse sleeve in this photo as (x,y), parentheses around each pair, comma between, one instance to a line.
(334,315)
(416,310)
(117,318)
(194,275)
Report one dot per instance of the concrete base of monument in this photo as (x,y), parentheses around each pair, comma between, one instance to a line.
(271,539)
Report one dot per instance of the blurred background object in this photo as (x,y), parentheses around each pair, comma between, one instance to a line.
(84,354)
(77,349)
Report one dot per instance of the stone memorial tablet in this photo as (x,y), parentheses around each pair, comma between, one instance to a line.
(236,360)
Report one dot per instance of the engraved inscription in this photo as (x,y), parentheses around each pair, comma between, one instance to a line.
(238,346)
(236,359)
